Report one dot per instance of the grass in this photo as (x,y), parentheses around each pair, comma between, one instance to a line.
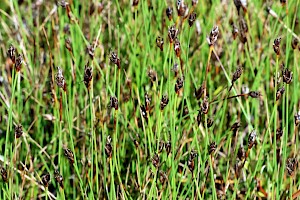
(82,118)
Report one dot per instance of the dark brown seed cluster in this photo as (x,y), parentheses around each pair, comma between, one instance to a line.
(254,94)
(175,69)
(297,118)
(59,179)
(235,31)
(199,117)
(237,74)
(135,3)
(199,92)
(172,33)
(192,18)
(45,179)
(179,84)
(161,146)
(287,75)
(191,160)
(155,160)
(276,46)
(11,53)
(115,60)
(19,62)
(164,101)
(147,101)
(235,127)
(295,43)
(194,2)
(3,174)
(212,147)
(91,51)
(162,177)
(18,131)
(88,75)
(251,139)
(182,9)
(152,75)
(114,103)
(213,36)
(144,112)
(279,133)
(168,147)
(279,93)
(243,30)
(291,166)
(205,105)
(241,153)
(210,122)
(60,79)
(69,154)
(108,147)
(177,48)
(68,44)
(160,43)
(169,13)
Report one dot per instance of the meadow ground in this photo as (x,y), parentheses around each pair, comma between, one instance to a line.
(149,99)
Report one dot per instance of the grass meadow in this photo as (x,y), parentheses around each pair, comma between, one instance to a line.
(144,99)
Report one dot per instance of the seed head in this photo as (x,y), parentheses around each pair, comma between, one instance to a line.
(178,84)
(68,44)
(192,18)
(205,105)
(59,179)
(45,179)
(254,94)
(235,31)
(161,146)
(88,75)
(69,154)
(18,131)
(279,93)
(199,118)
(114,102)
(147,101)
(297,118)
(155,160)
(3,174)
(172,33)
(160,43)
(152,75)
(235,127)
(210,122)
(237,74)
(115,60)
(162,177)
(11,53)
(241,153)
(194,2)
(279,133)
(168,147)
(295,43)
(135,3)
(276,46)
(291,166)
(169,12)
(243,25)
(144,113)
(19,61)
(287,75)
(63,3)
(177,48)
(251,139)
(199,92)
(213,36)
(212,148)
(59,78)
(182,9)
(164,101)
(91,51)
(191,160)
(175,69)
(108,147)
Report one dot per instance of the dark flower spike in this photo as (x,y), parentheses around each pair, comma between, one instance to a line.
(135,3)
(11,53)
(3,174)
(108,147)
(279,93)
(210,122)
(18,131)
(59,179)
(179,84)
(235,127)
(144,113)
(192,18)
(160,43)
(175,69)
(88,75)
(59,78)
(155,160)
(172,33)
(147,101)
(114,59)
(241,153)
(191,160)
(69,154)
(235,31)
(114,103)
(238,5)
(295,43)
(194,2)
(162,177)
(182,9)
(199,92)
(177,48)
(164,102)
(205,105)
(291,166)
(279,133)
(213,36)
(152,75)
(19,62)
(199,117)
(276,46)
(169,13)
(254,94)
(212,147)
(168,147)
(287,75)
(45,179)
(243,25)
(68,44)
(91,51)
(251,139)
(237,74)
(297,118)
(161,146)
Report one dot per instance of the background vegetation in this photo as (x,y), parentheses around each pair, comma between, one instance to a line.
(245,147)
